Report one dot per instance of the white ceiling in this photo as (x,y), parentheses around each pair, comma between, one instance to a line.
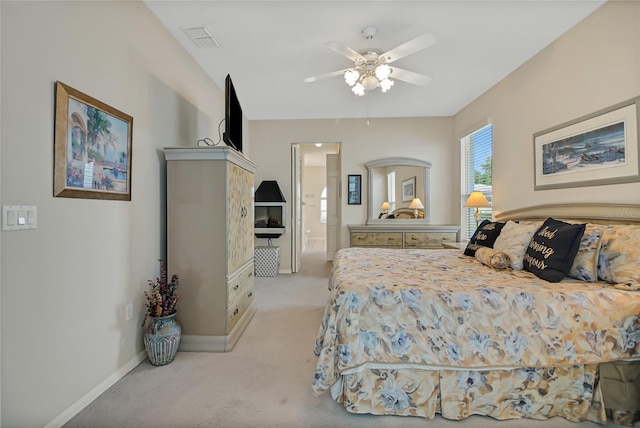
(269,47)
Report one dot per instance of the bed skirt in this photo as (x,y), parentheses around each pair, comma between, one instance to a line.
(620,384)
(571,392)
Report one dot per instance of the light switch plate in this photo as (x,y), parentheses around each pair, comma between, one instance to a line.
(19,217)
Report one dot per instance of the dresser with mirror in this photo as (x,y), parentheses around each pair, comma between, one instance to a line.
(398,207)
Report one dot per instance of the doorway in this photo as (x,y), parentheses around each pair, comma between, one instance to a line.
(316,205)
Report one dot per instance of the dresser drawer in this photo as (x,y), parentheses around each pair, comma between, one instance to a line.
(376,239)
(427,239)
(239,295)
(243,304)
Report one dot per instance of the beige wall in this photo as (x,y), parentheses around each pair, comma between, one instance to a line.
(429,139)
(593,66)
(66,283)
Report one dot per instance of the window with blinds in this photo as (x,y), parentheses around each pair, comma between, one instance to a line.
(475,170)
(391,190)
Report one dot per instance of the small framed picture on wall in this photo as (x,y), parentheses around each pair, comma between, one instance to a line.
(354,189)
(409,189)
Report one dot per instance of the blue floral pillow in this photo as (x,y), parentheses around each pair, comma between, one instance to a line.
(619,258)
(585,264)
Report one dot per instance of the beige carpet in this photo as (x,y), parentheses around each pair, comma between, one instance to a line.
(264,382)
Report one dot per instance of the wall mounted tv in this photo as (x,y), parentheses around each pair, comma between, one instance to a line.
(232,116)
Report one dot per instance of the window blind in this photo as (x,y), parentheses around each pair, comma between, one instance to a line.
(476,175)
(391,190)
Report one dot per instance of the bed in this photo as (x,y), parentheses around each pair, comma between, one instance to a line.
(426,332)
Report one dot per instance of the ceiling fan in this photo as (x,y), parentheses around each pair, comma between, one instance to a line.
(371,66)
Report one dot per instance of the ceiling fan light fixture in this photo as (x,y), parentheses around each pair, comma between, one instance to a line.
(383,71)
(370,82)
(386,84)
(371,70)
(351,77)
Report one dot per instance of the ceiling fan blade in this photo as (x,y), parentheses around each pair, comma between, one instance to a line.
(407,48)
(345,50)
(409,76)
(325,75)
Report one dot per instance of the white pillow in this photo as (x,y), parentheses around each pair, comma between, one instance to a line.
(514,240)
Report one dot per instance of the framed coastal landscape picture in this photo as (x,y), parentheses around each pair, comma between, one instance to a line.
(597,149)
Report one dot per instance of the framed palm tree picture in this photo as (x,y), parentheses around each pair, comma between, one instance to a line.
(92,148)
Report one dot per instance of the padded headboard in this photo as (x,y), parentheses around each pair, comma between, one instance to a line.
(591,212)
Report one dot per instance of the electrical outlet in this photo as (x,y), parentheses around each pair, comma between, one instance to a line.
(129,311)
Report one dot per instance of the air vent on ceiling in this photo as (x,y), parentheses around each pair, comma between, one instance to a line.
(201,37)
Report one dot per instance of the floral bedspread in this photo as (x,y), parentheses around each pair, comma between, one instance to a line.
(439,309)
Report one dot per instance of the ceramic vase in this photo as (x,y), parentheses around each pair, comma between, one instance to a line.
(161,339)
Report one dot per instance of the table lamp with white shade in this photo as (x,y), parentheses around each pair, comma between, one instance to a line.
(477,200)
(416,205)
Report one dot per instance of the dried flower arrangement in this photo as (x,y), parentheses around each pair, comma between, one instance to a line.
(162,299)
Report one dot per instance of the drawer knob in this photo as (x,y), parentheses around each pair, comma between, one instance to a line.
(236,311)
(251,294)
(235,287)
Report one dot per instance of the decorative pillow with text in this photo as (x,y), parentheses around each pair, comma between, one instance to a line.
(552,249)
(484,236)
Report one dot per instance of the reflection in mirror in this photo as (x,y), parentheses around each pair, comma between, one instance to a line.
(397,181)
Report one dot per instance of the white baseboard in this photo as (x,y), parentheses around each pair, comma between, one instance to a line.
(187,343)
(201,343)
(66,416)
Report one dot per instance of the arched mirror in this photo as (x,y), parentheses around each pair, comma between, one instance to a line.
(393,184)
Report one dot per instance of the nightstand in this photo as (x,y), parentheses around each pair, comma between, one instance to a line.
(455,245)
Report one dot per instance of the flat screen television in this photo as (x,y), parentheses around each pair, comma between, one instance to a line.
(232,116)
